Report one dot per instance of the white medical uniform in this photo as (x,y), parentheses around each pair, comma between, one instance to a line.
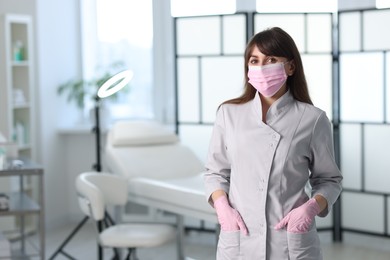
(264,169)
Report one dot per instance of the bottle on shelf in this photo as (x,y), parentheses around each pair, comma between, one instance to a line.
(18,51)
(2,157)
(18,97)
(20,134)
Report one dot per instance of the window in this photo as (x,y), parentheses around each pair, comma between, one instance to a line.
(382,4)
(202,7)
(288,6)
(119,35)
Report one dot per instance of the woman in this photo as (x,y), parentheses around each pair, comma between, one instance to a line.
(267,146)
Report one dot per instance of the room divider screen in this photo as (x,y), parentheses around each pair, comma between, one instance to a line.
(365,116)
(209,60)
(209,69)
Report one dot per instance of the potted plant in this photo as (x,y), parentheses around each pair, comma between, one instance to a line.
(79,90)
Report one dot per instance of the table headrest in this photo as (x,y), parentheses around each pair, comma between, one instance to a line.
(138,133)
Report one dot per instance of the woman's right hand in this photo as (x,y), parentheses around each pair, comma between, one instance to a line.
(228,217)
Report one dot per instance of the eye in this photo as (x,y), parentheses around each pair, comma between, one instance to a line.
(271,60)
(253,61)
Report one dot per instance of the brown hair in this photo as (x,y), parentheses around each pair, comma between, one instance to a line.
(276,42)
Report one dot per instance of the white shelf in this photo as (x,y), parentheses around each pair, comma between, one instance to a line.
(20,203)
(27,210)
(24,147)
(18,121)
(22,63)
(25,105)
(17,81)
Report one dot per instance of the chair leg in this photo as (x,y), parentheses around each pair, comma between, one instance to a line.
(116,254)
(132,254)
(100,248)
(115,257)
(135,254)
(180,236)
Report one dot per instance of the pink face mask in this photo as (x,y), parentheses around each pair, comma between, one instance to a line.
(267,79)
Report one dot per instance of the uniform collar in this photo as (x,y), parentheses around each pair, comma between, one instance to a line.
(279,106)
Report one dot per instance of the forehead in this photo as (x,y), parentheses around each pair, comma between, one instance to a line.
(256,52)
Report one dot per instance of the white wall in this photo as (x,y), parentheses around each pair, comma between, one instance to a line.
(18,7)
(58,56)
(163,55)
(355,4)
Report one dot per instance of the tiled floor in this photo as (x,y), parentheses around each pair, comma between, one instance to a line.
(201,246)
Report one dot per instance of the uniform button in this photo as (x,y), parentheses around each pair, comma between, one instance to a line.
(274,136)
(272,145)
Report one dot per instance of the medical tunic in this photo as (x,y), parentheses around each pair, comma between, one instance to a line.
(264,169)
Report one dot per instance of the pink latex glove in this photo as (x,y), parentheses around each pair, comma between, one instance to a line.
(299,219)
(229,218)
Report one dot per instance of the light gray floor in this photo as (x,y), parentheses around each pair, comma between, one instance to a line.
(201,246)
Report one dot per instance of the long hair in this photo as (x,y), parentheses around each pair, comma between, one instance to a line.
(276,42)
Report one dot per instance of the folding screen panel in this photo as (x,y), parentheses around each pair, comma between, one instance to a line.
(364,113)
(199,36)
(210,70)
(358,87)
(351,144)
(377,166)
(209,62)
(369,218)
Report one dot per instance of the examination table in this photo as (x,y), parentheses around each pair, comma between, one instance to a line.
(162,173)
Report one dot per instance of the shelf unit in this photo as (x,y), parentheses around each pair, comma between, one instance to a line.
(17,82)
(24,208)
(17,108)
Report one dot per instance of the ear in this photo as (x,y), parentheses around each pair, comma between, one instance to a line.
(290,68)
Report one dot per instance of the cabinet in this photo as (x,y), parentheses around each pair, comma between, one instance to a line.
(23,243)
(17,112)
(17,82)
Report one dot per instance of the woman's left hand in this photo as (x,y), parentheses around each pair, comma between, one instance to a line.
(299,219)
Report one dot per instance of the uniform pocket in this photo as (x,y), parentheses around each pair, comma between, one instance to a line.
(228,245)
(304,245)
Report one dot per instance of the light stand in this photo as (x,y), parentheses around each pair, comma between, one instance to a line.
(110,87)
(97,166)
